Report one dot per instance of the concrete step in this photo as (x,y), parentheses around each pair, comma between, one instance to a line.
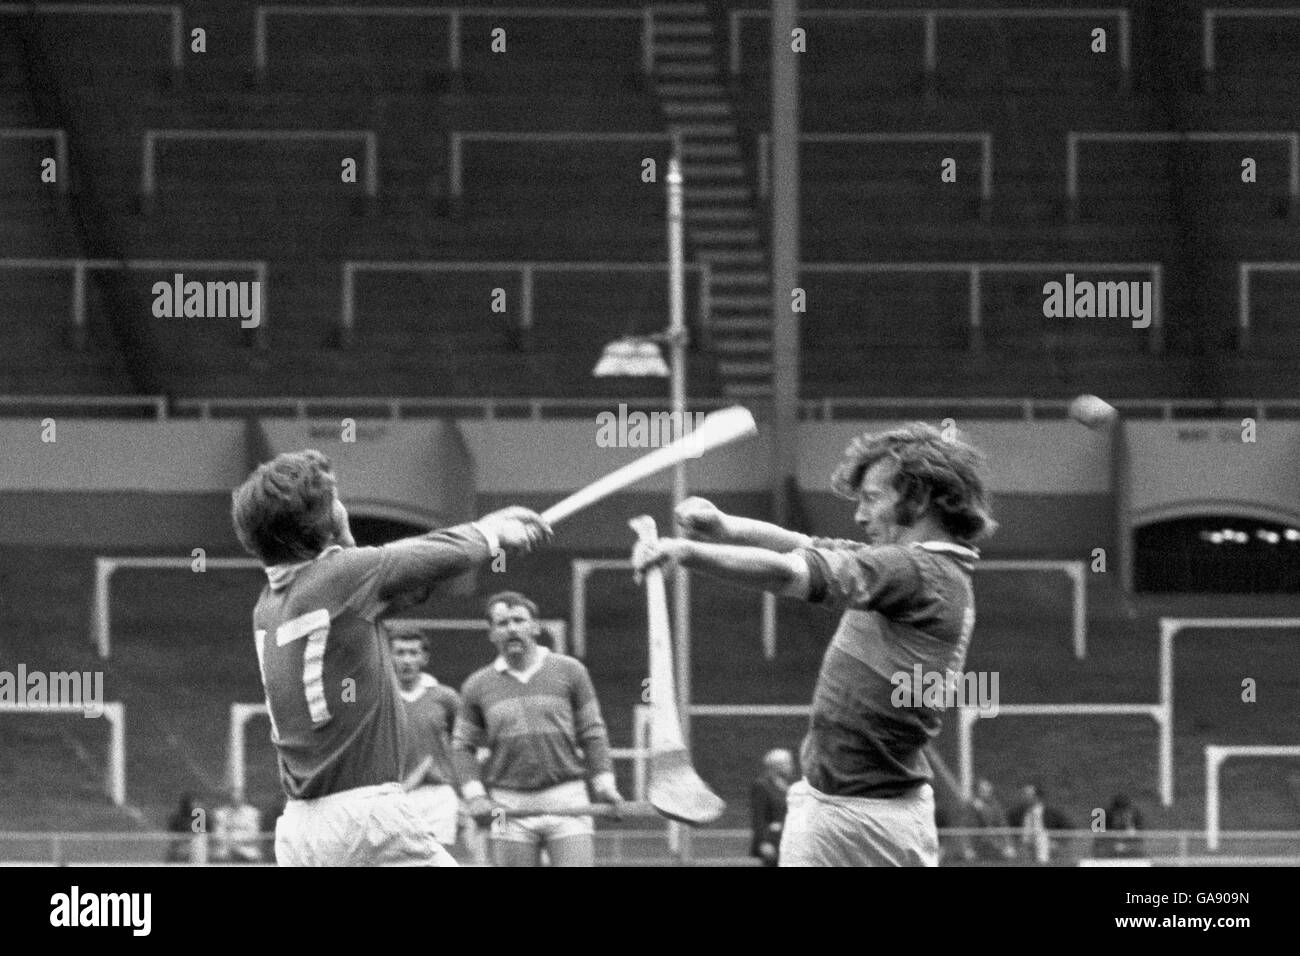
(684,68)
(730,256)
(706,130)
(690,90)
(713,170)
(669,10)
(731,278)
(757,349)
(720,237)
(729,367)
(685,28)
(691,150)
(695,109)
(734,301)
(684,49)
(730,325)
(718,194)
(720,214)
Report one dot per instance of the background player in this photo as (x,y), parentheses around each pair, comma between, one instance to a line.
(430,714)
(337,720)
(907,599)
(536,712)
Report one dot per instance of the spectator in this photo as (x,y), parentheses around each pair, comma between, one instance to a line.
(187,822)
(1122,822)
(1036,821)
(236,832)
(767,805)
(986,813)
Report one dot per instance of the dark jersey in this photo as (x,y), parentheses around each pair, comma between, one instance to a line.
(337,719)
(431,715)
(903,606)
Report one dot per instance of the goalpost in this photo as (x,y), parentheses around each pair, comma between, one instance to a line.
(1215,755)
(1160,713)
(101,622)
(1171,627)
(115,714)
(105,567)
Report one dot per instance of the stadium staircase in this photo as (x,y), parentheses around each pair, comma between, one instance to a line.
(722,220)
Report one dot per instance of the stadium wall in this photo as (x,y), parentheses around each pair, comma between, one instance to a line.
(130,486)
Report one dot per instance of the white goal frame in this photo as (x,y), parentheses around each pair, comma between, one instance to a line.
(115,714)
(1160,713)
(1215,755)
(1171,627)
(101,616)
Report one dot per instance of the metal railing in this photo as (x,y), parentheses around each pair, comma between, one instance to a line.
(1074,138)
(713,847)
(455,17)
(458,139)
(80,267)
(1211,15)
(931,18)
(172,11)
(828,409)
(975,272)
(60,148)
(985,139)
(151,137)
(527,271)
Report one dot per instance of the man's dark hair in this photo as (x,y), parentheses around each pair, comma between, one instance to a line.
(402,631)
(284,512)
(511,599)
(945,474)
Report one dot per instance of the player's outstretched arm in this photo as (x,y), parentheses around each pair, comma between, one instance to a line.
(415,564)
(759,568)
(701,520)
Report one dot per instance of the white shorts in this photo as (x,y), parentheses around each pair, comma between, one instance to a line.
(536,830)
(821,830)
(366,826)
(439,807)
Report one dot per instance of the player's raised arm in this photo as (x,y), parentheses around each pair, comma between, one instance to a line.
(782,573)
(416,563)
(702,520)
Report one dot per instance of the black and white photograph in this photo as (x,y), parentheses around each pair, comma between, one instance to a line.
(718,434)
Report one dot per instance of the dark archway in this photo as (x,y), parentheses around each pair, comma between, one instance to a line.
(1217,554)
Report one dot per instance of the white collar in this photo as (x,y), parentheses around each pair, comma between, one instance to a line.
(947,546)
(281,574)
(523,676)
(416,692)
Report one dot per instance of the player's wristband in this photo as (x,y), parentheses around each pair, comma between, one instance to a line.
(605,780)
(494,542)
(473,790)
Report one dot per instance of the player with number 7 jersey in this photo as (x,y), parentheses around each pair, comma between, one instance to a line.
(337,719)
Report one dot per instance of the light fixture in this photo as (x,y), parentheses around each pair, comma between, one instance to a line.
(632,356)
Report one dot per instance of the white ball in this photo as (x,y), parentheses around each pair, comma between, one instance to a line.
(1092,411)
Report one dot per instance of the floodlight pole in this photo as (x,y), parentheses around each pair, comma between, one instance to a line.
(677,369)
(677,385)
